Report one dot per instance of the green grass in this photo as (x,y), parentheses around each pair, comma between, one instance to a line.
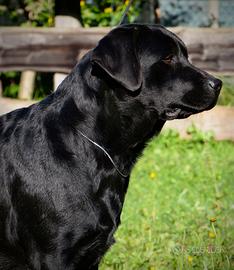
(176,189)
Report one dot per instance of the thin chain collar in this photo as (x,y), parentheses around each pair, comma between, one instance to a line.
(107,154)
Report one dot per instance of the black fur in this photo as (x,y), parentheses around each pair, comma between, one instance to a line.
(60,196)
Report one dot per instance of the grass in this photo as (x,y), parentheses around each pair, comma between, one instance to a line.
(179,207)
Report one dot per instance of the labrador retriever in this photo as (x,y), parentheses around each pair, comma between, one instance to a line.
(65,161)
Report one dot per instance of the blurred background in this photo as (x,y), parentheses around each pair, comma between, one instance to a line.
(179,208)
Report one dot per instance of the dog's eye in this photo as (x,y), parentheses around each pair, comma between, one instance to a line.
(168,59)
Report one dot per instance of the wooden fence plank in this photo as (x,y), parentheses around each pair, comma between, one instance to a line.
(44,49)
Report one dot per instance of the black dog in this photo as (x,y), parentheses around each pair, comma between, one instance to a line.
(65,162)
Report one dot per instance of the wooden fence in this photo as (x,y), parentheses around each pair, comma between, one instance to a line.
(45,49)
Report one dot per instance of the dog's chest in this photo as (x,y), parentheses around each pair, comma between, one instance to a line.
(93,227)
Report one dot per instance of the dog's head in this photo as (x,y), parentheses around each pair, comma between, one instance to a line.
(152,63)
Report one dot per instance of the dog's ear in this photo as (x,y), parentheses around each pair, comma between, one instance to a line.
(116,55)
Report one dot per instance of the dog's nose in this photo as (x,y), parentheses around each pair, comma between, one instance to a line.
(215,84)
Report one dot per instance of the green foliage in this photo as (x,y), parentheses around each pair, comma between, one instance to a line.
(11,13)
(43,85)
(178,212)
(27,12)
(197,136)
(40,12)
(10,81)
(107,12)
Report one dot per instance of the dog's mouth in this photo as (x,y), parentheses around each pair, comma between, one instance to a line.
(172,113)
(179,113)
(182,111)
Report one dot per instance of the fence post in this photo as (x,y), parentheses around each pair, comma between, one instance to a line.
(27,82)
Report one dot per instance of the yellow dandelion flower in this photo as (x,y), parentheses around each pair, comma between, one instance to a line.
(108,10)
(211,235)
(126,2)
(213,219)
(152,175)
(190,259)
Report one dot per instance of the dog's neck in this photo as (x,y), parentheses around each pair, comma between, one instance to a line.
(118,122)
